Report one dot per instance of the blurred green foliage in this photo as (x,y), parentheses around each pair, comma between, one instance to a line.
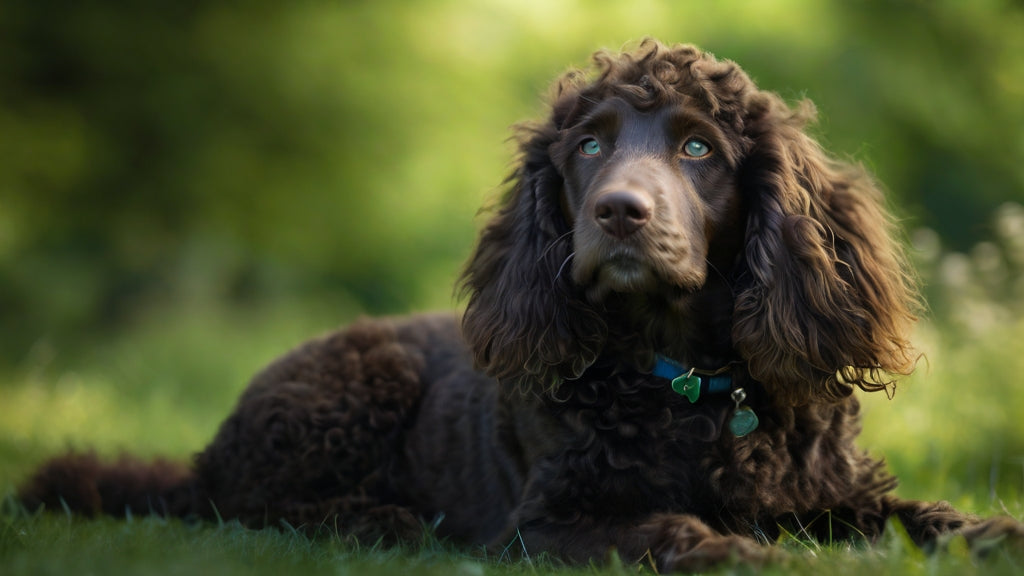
(166,154)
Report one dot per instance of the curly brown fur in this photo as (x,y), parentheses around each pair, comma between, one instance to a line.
(667,207)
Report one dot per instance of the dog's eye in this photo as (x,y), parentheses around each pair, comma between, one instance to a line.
(696,148)
(590,147)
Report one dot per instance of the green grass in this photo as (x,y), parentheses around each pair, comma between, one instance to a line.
(56,544)
(951,432)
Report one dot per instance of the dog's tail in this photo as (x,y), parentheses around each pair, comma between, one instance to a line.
(84,484)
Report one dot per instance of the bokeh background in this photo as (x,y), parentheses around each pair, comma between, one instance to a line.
(187,189)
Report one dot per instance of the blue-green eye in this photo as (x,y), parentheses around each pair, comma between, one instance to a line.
(590,147)
(696,148)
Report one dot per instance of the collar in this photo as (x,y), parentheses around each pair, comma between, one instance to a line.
(692,382)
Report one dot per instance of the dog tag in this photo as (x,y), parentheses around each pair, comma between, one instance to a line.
(743,420)
(687,385)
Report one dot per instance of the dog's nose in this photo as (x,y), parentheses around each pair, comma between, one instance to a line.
(622,213)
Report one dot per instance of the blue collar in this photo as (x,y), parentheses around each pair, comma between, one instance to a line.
(691,382)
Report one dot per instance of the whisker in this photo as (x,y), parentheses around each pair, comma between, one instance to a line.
(562,267)
(552,245)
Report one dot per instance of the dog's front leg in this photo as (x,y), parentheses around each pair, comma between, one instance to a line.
(680,542)
(671,542)
(930,523)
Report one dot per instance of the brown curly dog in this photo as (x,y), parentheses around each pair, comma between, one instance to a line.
(668,313)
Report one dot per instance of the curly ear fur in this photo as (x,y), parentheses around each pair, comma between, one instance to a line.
(829,300)
(525,322)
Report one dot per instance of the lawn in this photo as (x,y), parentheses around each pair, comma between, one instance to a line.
(950,432)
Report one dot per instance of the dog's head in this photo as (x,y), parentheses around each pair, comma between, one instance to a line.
(649,195)
(666,186)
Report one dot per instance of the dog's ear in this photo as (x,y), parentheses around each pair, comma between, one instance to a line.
(828,297)
(525,322)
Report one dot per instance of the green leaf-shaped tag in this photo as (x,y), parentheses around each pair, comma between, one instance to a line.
(687,385)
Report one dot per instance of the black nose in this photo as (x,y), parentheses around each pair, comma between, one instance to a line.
(622,213)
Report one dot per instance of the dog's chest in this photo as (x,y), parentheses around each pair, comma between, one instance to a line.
(633,446)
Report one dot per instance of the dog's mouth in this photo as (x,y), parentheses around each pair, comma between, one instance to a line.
(623,273)
(627,273)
